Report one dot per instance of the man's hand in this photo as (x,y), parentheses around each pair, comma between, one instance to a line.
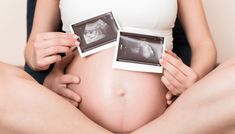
(57,81)
(177,76)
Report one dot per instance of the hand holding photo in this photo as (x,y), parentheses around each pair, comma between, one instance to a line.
(139,52)
(96,34)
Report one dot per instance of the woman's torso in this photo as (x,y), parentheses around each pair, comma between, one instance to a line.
(119,100)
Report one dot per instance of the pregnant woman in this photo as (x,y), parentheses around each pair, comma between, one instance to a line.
(105,90)
(119,101)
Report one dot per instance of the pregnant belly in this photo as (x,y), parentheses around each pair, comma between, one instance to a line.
(118,100)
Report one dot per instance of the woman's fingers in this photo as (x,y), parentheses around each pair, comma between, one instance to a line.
(76,104)
(172,54)
(69,79)
(177,64)
(46,40)
(170,98)
(65,92)
(66,42)
(55,50)
(74,47)
(45,57)
(52,35)
(177,76)
(48,46)
(66,60)
(173,80)
(174,71)
(46,62)
(169,86)
(169,95)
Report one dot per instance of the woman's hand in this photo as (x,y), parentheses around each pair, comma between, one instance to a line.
(177,76)
(47,48)
(57,81)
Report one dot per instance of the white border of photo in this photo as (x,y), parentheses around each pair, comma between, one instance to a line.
(136,66)
(103,47)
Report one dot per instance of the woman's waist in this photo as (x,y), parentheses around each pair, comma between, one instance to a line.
(106,91)
(98,68)
(121,108)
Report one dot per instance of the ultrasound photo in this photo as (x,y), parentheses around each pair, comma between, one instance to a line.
(139,52)
(95,31)
(96,34)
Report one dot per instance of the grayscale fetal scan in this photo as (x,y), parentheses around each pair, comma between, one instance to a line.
(96,32)
(141,49)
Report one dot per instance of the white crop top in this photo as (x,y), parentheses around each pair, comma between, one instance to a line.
(151,15)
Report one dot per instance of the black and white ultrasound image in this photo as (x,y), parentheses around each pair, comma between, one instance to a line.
(140,49)
(96,32)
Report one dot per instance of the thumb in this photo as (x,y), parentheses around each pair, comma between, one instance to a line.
(64,61)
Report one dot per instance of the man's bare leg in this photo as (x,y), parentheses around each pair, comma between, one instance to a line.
(206,108)
(28,108)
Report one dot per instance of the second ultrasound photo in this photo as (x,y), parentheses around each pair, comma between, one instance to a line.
(139,52)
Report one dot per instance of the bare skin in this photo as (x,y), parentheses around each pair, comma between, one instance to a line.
(34,109)
(100,81)
(118,92)
(201,44)
(206,108)
(192,17)
(26,107)
(41,51)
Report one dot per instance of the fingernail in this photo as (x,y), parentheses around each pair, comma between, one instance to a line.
(160,57)
(163,55)
(78,99)
(76,80)
(72,48)
(75,36)
(77,43)
(168,102)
